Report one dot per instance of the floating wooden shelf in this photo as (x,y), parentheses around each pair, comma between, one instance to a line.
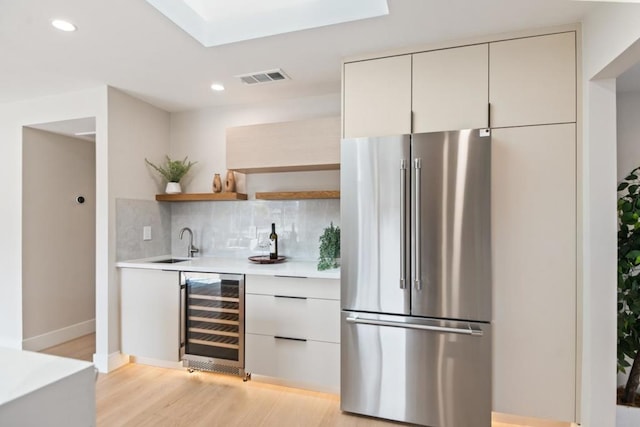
(297,195)
(198,197)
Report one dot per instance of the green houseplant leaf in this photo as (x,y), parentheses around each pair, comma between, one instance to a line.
(172,170)
(329,248)
(629,283)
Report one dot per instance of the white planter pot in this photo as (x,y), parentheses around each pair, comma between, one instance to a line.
(627,416)
(173,188)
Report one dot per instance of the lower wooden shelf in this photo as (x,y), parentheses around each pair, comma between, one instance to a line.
(197,197)
(298,195)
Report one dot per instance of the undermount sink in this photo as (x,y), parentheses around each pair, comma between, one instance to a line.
(170,260)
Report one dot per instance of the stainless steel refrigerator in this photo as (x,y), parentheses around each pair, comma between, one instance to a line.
(416,278)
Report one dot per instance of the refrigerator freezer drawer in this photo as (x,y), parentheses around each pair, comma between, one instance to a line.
(430,372)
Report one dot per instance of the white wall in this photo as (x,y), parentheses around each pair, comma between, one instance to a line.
(135,130)
(200,134)
(58,252)
(13,117)
(628,112)
(608,31)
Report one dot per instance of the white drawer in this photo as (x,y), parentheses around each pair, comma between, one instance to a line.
(309,364)
(299,317)
(293,286)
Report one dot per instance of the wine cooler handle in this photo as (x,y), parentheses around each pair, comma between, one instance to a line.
(183,313)
(417,257)
(403,218)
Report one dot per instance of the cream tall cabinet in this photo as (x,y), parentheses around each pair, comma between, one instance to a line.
(530,83)
(533,202)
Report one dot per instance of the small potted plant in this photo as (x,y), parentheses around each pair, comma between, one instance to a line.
(173,171)
(329,248)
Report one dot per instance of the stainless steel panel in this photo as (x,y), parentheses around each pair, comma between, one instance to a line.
(416,375)
(452,271)
(374,261)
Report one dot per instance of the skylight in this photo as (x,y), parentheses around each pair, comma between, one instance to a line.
(217,22)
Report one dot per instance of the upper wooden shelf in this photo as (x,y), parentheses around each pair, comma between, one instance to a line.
(197,197)
(298,195)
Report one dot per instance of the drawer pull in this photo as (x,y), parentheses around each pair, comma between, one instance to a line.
(292,277)
(287,296)
(290,339)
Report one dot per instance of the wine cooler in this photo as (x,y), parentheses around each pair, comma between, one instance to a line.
(213,322)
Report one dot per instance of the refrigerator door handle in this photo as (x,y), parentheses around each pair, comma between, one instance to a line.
(403,225)
(470,330)
(417,257)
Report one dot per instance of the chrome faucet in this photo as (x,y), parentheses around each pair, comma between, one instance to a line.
(190,249)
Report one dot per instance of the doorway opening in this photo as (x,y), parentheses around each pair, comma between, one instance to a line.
(59,237)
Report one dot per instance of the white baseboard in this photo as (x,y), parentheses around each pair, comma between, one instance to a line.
(157,362)
(59,336)
(110,362)
(113,361)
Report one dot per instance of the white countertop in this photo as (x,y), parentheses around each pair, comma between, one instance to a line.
(23,372)
(234,265)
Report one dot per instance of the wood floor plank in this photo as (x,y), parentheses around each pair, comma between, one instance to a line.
(80,348)
(141,396)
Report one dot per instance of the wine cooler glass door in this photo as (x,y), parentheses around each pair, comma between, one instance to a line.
(214,316)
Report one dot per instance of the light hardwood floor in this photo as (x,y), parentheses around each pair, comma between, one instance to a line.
(80,348)
(139,395)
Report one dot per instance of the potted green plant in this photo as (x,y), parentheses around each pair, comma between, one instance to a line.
(629,285)
(329,248)
(172,171)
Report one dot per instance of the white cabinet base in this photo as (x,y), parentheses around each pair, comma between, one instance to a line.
(150,313)
(293,331)
(306,364)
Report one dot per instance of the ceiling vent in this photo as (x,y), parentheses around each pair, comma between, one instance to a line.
(263,77)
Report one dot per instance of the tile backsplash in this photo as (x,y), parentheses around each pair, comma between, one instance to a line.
(241,229)
(131,216)
(235,229)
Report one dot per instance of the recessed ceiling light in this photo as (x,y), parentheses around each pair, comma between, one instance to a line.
(63,25)
(217,87)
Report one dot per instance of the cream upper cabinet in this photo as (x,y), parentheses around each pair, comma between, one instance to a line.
(534,271)
(377,97)
(302,145)
(450,89)
(533,80)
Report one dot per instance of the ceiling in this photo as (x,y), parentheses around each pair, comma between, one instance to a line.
(129,45)
(83,128)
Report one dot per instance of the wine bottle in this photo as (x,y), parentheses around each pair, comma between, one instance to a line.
(273,242)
